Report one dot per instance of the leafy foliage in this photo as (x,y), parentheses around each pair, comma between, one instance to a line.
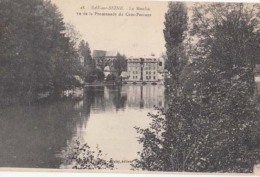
(94,75)
(36,56)
(212,125)
(120,64)
(110,77)
(176,24)
(82,157)
(85,53)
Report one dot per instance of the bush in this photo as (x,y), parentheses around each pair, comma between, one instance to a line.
(94,75)
(80,156)
(111,77)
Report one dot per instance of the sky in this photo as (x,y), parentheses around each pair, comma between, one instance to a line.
(129,35)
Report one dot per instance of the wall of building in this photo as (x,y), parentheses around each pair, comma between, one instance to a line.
(134,69)
(150,71)
(143,71)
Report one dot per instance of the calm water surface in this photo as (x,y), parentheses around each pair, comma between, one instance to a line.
(36,136)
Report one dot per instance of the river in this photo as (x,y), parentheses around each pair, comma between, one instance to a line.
(36,136)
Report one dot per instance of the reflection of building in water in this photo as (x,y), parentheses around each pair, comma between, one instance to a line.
(105,98)
(94,98)
(118,97)
(146,96)
(115,96)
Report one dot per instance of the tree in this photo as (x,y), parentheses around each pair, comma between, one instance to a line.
(120,64)
(111,77)
(229,34)
(94,75)
(215,128)
(176,24)
(35,54)
(72,34)
(85,52)
(212,125)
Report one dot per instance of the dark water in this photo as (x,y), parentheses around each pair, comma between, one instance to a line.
(36,136)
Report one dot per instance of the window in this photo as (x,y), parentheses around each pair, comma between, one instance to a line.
(154,77)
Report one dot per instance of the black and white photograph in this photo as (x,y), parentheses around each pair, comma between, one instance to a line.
(130,86)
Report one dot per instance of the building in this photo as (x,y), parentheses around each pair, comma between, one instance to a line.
(104,58)
(124,75)
(144,69)
(104,61)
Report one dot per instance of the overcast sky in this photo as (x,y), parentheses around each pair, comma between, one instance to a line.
(133,36)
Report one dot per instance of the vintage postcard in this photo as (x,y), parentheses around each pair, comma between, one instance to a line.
(130,86)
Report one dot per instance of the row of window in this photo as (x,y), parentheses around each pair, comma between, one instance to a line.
(149,72)
(149,68)
(145,64)
(146,68)
(147,77)
(146,59)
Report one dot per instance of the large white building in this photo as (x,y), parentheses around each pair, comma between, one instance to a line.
(144,69)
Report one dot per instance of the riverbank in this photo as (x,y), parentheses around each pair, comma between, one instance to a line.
(123,82)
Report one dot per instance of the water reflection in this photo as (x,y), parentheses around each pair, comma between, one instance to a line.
(31,136)
(36,136)
(113,114)
(145,97)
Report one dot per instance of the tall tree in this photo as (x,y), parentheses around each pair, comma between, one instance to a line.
(85,53)
(176,24)
(213,124)
(35,54)
(120,63)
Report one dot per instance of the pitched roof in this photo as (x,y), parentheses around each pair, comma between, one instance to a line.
(111,53)
(99,53)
